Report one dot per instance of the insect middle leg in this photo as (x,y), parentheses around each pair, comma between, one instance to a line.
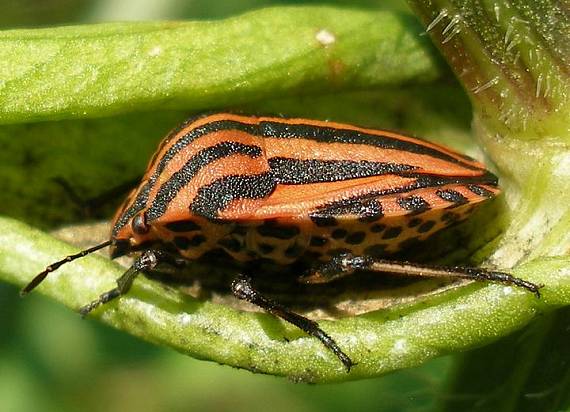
(345,264)
(243,289)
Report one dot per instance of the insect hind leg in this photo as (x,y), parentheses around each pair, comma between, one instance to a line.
(346,264)
(243,289)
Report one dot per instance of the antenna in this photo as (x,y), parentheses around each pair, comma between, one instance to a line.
(54,266)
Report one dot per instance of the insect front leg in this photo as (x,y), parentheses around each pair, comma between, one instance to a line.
(243,289)
(346,264)
(146,261)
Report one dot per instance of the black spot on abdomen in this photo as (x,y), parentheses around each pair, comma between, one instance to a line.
(339,233)
(426,226)
(355,238)
(376,251)
(392,232)
(272,229)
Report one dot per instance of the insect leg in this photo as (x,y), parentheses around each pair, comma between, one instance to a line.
(146,261)
(346,264)
(243,289)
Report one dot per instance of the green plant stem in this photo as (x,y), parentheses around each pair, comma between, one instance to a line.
(512,58)
(513,61)
(380,342)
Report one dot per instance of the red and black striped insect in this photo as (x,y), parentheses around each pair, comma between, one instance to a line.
(339,198)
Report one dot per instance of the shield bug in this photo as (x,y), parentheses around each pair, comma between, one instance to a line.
(336,197)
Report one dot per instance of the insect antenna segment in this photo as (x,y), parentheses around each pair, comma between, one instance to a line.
(54,266)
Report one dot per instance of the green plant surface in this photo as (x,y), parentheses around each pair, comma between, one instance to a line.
(377,61)
(526,371)
(380,342)
(118,67)
(51,353)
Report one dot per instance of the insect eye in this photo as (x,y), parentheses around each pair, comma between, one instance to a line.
(139,224)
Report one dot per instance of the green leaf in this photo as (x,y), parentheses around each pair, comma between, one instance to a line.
(527,371)
(97,70)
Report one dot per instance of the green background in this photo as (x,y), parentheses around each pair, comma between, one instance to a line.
(51,360)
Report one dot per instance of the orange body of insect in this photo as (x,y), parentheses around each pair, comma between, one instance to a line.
(336,196)
(285,189)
